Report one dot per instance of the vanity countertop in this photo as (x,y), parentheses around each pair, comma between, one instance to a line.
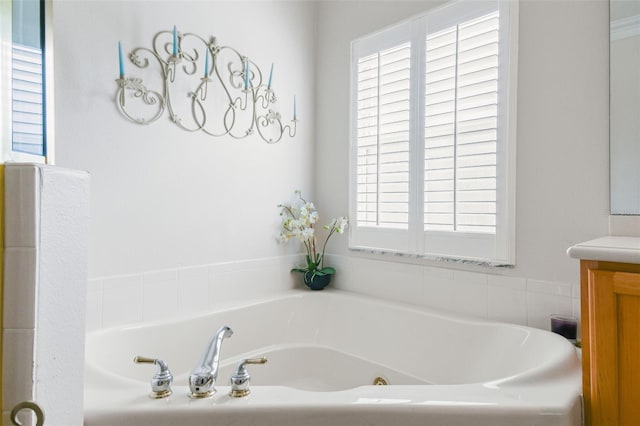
(608,249)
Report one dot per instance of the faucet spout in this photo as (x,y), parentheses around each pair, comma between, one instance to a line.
(203,377)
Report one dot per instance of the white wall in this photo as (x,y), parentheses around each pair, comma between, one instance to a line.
(562,140)
(199,210)
(563,133)
(162,197)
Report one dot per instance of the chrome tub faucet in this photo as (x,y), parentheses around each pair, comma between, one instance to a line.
(203,377)
(161,381)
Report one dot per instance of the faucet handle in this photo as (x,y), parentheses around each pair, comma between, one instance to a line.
(240,379)
(261,360)
(144,360)
(161,381)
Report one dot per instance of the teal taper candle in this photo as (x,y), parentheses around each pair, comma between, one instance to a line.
(206,63)
(120,59)
(270,77)
(246,76)
(175,41)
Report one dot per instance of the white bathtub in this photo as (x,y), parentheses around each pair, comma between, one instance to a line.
(324,350)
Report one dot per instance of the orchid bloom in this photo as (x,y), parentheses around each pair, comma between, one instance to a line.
(298,220)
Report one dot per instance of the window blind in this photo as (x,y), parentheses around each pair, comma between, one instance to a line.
(27,100)
(461,119)
(382,137)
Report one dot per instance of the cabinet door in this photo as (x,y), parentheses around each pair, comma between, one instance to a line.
(614,347)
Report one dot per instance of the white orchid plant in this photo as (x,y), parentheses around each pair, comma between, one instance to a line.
(298,221)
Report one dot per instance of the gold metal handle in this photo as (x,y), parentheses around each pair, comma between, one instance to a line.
(144,360)
(30,405)
(261,360)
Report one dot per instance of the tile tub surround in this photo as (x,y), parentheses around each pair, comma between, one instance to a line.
(182,292)
(131,299)
(486,295)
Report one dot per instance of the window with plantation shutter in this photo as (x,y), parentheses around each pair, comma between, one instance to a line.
(433,135)
(23,81)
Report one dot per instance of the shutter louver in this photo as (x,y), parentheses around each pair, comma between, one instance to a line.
(383,96)
(461,96)
(27,104)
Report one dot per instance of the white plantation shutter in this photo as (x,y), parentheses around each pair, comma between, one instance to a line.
(27,100)
(461,97)
(383,138)
(432,149)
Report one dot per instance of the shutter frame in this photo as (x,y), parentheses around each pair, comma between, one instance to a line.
(488,123)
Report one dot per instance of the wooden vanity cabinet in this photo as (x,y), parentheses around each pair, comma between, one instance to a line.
(610,309)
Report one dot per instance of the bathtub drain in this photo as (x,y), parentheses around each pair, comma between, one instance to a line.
(380,381)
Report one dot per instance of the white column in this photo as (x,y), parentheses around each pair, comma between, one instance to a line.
(46,244)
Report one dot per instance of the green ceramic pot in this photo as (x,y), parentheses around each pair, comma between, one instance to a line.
(316,282)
